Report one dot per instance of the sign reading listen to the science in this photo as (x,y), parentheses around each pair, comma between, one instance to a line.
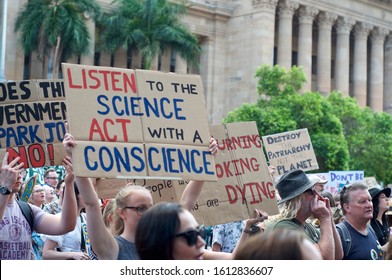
(138,123)
(32,121)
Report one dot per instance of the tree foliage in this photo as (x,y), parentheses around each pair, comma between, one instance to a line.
(369,136)
(55,29)
(344,136)
(280,108)
(150,27)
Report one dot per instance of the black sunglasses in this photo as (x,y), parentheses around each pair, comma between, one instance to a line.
(191,235)
(139,209)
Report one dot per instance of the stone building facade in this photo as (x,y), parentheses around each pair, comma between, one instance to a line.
(341,45)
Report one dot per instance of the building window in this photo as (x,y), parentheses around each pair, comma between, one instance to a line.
(172,61)
(294,58)
(314,65)
(26,67)
(97,58)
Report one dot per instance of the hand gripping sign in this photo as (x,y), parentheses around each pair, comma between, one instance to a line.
(137,124)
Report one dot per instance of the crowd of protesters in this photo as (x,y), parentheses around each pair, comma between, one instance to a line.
(66,219)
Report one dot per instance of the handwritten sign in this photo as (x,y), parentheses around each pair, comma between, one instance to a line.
(341,178)
(244,182)
(32,117)
(138,124)
(290,151)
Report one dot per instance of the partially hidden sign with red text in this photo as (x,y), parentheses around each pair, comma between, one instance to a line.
(32,121)
(244,182)
(138,124)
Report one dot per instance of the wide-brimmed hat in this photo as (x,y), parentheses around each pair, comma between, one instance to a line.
(374,192)
(316,179)
(293,184)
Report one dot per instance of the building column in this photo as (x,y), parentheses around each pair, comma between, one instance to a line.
(3,38)
(263,24)
(263,38)
(342,57)
(285,32)
(388,75)
(181,65)
(376,100)
(324,47)
(306,17)
(89,58)
(361,32)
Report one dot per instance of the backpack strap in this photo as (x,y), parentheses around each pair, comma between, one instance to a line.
(27,212)
(345,237)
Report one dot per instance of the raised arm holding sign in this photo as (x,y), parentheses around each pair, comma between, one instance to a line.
(138,124)
(131,202)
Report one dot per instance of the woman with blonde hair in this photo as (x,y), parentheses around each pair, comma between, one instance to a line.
(107,208)
(130,204)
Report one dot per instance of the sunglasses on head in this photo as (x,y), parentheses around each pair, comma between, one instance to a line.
(191,235)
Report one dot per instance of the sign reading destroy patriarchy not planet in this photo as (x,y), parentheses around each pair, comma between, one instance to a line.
(137,124)
(290,151)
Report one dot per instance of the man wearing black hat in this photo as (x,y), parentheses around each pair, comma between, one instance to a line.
(379,222)
(299,201)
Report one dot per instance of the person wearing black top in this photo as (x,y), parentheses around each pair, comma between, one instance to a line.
(379,222)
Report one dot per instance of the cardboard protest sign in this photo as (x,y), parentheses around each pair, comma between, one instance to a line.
(244,182)
(161,190)
(341,178)
(371,182)
(32,121)
(138,124)
(290,150)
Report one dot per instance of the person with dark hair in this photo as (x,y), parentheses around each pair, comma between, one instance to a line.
(299,201)
(157,234)
(328,195)
(167,231)
(281,244)
(51,178)
(358,238)
(379,222)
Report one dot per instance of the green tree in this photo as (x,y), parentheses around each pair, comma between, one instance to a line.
(280,108)
(369,137)
(55,29)
(150,27)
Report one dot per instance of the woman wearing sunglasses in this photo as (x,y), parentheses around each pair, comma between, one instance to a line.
(131,202)
(167,231)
